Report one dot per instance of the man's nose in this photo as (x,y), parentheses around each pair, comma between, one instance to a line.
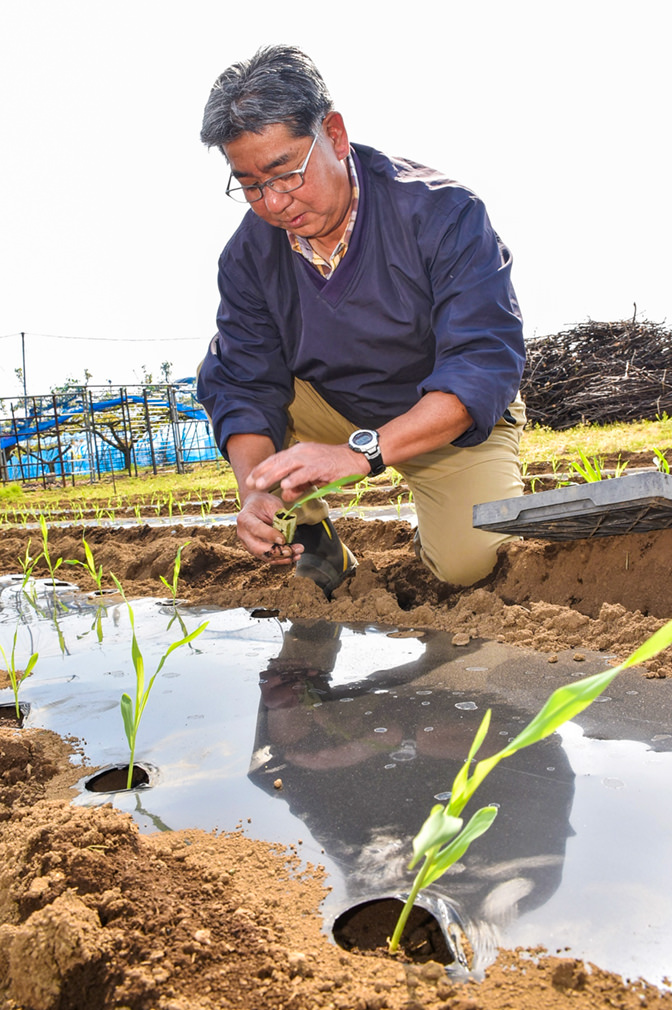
(276,202)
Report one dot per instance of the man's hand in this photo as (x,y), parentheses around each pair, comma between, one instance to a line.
(256,532)
(305,465)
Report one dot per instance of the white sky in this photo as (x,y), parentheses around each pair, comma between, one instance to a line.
(112,214)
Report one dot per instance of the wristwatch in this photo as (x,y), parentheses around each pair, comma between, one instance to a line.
(365,440)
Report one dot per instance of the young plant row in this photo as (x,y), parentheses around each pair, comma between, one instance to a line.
(161,505)
(592,469)
(13,511)
(132,709)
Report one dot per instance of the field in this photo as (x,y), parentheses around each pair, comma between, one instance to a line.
(97,915)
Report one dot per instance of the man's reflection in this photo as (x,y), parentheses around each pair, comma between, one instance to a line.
(362,763)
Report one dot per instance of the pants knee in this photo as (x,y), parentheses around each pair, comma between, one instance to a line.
(464,567)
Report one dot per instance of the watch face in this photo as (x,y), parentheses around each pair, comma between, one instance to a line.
(362,439)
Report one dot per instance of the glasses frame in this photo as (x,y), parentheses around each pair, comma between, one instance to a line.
(269,184)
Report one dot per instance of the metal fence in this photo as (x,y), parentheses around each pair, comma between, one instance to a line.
(88,431)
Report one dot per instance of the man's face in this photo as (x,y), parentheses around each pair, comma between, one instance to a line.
(319,208)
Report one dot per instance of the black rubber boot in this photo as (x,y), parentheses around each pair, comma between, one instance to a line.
(326,560)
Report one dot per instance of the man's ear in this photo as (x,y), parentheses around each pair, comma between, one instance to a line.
(334,127)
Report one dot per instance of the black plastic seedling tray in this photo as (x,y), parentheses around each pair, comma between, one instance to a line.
(629,504)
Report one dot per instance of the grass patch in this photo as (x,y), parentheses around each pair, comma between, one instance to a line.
(11,494)
(543,444)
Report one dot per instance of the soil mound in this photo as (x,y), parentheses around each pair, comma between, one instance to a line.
(606,594)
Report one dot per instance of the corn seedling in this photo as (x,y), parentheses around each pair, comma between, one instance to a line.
(172,586)
(620,466)
(285,519)
(53,566)
(131,711)
(444,838)
(360,488)
(89,565)
(400,501)
(27,567)
(589,470)
(16,677)
(660,461)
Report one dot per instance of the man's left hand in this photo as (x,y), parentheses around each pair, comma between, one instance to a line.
(303,466)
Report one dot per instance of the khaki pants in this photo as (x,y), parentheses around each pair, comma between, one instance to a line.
(446,484)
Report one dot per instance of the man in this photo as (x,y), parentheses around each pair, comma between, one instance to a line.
(366,320)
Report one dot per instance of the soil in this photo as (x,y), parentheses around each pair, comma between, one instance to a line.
(95,915)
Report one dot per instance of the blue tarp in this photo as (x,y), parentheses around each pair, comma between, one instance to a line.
(88,454)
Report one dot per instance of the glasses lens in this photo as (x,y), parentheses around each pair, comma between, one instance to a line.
(286,183)
(244,194)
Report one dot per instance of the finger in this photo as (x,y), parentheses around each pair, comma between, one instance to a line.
(258,537)
(271,470)
(291,493)
(288,554)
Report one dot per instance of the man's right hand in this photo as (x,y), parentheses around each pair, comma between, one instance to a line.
(256,532)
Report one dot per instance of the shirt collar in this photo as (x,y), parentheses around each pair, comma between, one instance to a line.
(303,247)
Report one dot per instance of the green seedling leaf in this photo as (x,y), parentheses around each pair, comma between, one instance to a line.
(591,471)
(457,801)
(127,715)
(30,666)
(660,462)
(477,826)
(172,586)
(317,492)
(438,829)
(285,521)
(17,677)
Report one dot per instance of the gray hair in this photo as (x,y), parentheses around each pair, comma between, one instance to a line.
(279,84)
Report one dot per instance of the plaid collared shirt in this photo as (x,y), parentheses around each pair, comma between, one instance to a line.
(303,247)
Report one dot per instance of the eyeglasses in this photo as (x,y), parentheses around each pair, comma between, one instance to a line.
(285,183)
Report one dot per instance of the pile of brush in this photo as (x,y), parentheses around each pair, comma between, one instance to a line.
(598,373)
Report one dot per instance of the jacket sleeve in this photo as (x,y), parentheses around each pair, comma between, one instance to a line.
(244,383)
(480,351)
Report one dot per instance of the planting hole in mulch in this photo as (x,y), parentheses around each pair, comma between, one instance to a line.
(367,927)
(8,715)
(113,780)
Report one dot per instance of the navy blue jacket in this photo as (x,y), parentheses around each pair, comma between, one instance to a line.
(422,301)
